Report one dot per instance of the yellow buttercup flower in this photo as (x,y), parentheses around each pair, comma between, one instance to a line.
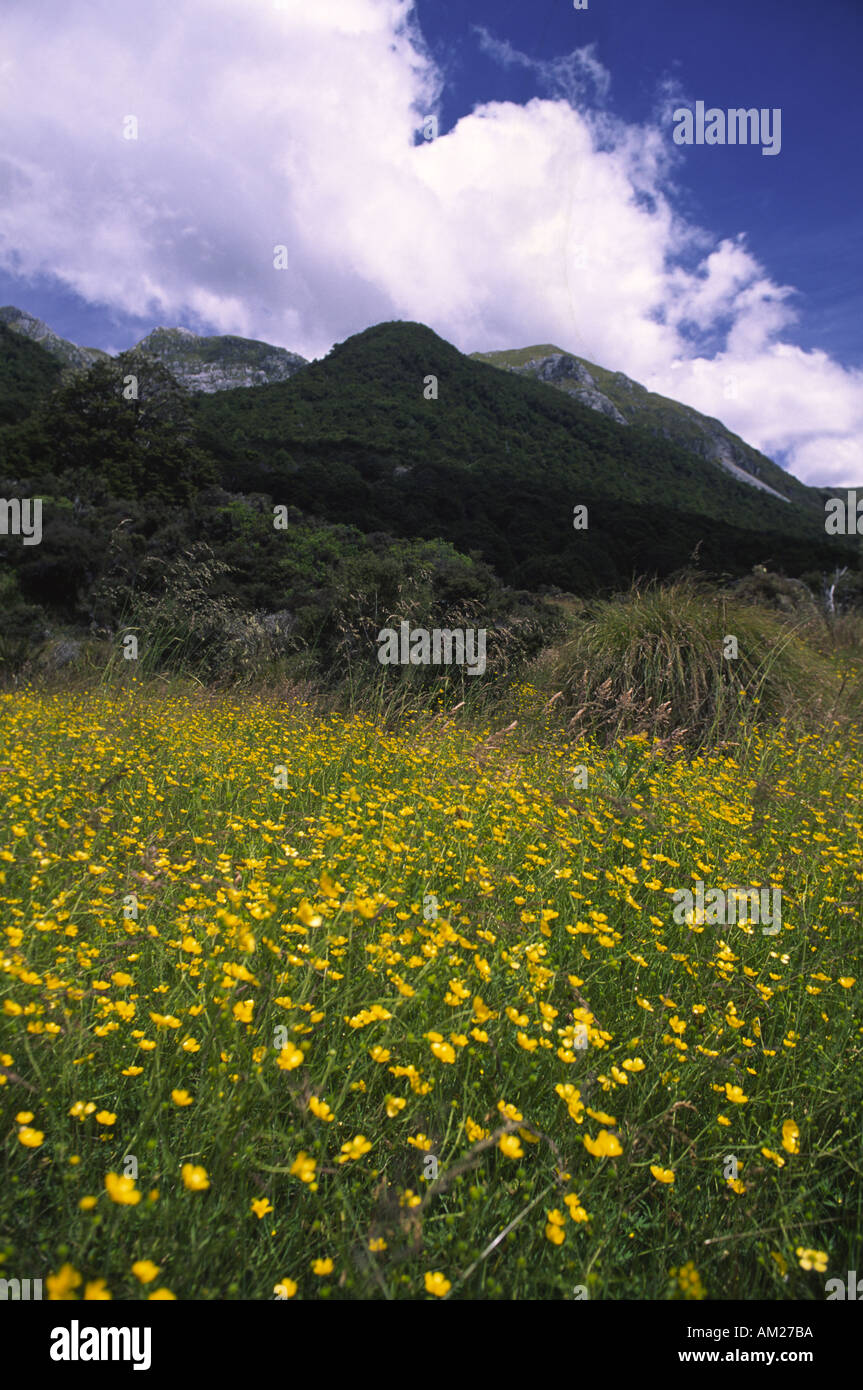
(261,1207)
(576,1210)
(509,1112)
(437,1284)
(194,1177)
(303,1167)
(774,1157)
(790,1137)
(145,1271)
(605,1145)
(688,1282)
(510,1146)
(61,1284)
(354,1149)
(322,1266)
(96,1290)
(811,1259)
(122,1190)
(665,1175)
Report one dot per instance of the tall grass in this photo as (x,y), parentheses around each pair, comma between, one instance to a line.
(653,661)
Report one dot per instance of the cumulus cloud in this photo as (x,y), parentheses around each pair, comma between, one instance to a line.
(299,124)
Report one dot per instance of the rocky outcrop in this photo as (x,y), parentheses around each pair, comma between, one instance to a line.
(570,375)
(69,354)
(220,363)
(712,441)
(629,403)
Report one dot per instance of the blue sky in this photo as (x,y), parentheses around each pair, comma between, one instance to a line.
(802,210)
(553,206)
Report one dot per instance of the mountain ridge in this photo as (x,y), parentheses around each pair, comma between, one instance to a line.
(628,402)
(208,364)
(494,462)
(220,362)
(66,352)
(397,436)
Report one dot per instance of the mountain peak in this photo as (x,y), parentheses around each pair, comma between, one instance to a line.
(219,363)
(69,354)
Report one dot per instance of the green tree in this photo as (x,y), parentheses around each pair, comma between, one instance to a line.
(124,426)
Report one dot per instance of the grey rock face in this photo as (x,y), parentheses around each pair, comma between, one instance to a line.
(709,439)
(597,401)
(199,364)
(560,368)
(718,447)
(62,652)
(571,376)
(219,363)
(30,327)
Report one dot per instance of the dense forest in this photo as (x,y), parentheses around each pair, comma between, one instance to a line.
(412,480)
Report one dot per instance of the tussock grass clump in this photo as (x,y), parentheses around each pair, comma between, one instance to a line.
(654,661)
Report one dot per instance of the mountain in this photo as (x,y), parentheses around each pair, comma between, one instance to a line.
(27,374)
(628,403)
(68,354)
(496,463)
(219,363)
(403,463)
(224,362)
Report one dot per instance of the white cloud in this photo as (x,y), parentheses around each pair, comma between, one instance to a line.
(548,222)
(575,76)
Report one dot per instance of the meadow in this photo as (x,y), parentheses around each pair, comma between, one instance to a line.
(299,1004)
